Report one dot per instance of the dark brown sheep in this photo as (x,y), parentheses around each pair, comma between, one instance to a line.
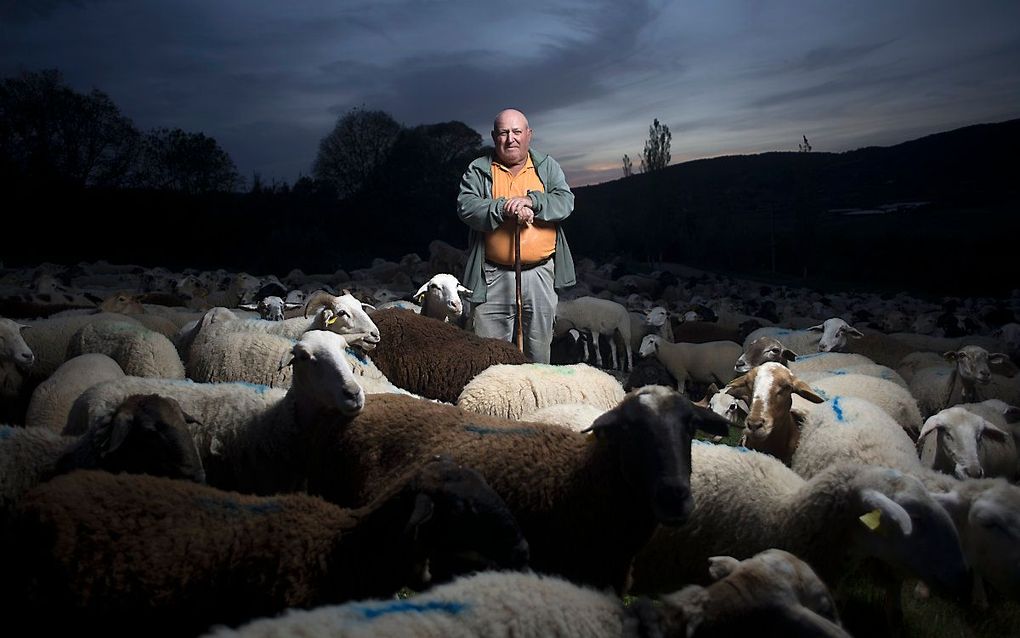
(125,555)
(432,358)
(587,504)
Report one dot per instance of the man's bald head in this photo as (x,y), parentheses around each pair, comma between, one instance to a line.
(511,136)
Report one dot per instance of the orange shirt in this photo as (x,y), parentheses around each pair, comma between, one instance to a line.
(538,240)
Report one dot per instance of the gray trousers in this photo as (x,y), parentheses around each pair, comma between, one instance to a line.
(497,317)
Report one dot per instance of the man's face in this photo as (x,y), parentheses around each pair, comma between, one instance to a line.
(511,137)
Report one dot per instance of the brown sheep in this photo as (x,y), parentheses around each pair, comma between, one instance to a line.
(586,504)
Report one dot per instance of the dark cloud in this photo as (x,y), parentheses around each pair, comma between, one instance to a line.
(21,11)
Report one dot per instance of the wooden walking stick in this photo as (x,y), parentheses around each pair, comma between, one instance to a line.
(517,271)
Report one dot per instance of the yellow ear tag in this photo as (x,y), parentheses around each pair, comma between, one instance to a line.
(331,320)
(872,518)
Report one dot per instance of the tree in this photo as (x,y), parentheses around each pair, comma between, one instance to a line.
(656,154)
(805,147)
(176,160)
(360,142)
(50,134)
(628,166)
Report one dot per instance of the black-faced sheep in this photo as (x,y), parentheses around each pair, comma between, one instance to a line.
(144,434)
(135,555)
(575,498)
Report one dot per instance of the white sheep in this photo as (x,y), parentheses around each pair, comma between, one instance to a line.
(828,336)
(138,351)
(52,399)
(440,298)
(910,364)
(600,317)
(895,400)
(711,362)
(773,592)
(654,320)
(16,357)
(852,429)
(987,514)
(875,370)
(826,361)
(745,502)
(511,391)
(49,338)
(343,314)
(967,376)
(13,348)
(962,443)
(575,416)
(251,438)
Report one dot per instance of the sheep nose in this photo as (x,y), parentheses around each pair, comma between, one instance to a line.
(975,471)
(26,359)
(754,424)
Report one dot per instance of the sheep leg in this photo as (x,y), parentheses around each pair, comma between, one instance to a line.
(598,349)
(612,351)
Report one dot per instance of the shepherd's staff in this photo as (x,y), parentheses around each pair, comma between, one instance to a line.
(517,271)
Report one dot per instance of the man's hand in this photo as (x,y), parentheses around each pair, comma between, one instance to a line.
(520,207)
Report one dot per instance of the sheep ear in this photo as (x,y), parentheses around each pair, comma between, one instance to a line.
(952,355)
(789,355)
(711,389)
(722,566)
(850,330)
(993,432)
(804,390)
(112,435)
(1011,413)
(1001,364)
(929,426)
(421,292)
(421,514)
(880,507)
(464,291)
(248,306)
(708,421)
(741,386)
(604,423)
(819,328)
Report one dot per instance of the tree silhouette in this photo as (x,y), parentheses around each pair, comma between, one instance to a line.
(176,160)
(360,141)
(628,166)
(50,134)
(805,147)
(656,153)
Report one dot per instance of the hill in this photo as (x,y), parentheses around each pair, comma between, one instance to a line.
(933,214)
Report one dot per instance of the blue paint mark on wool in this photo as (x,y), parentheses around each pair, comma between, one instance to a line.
(358,355)
(405,606)
(6,432)
(480,429)
(837,410)
(237,508)
(257,387)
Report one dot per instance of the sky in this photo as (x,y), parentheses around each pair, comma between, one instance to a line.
(268,80)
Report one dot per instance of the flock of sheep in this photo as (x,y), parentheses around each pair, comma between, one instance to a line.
(192,453)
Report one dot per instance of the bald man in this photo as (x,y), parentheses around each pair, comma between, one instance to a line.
(516,187)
